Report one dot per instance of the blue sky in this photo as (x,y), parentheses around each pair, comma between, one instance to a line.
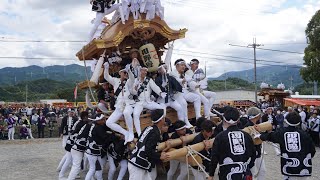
(212,25)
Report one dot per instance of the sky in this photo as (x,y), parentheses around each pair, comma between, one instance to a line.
(212,26)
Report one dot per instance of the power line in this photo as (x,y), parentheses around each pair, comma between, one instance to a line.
(265,49)
(280,44)
(262,60)
(276,50)
(39,41)
(44,58)
(233,60)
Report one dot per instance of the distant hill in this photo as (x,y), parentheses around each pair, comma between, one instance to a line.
(70,73)
(39,89)
(272,75)
(229,84)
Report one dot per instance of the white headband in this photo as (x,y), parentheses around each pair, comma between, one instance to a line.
(181,128)
(160,118)
(231,121)
(252,117)
(97,118)
(180,62)
(286,121)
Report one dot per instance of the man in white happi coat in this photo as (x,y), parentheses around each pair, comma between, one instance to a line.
(171,86)
(102,8)
(143,87)
(186,95)
(198,83)
(121,88)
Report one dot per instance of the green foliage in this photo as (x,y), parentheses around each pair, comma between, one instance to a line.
(272,75)
(312,51)
(70,73)
(229,84)
(304,89)
(39,89)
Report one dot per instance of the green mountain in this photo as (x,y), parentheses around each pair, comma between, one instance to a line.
(272,75)
(70,73)
(39,89)
(229,84)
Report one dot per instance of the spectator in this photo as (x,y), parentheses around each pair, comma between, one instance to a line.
(41,124)
(34,118)
(24,132)
(11,123)
(313,126)
(27,123)
(279,119)
(29,112)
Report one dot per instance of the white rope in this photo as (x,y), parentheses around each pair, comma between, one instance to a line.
(191,153)
(86,72)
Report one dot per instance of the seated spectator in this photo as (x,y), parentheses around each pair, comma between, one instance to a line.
(24,132)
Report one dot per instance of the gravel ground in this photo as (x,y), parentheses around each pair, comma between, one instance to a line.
(38,159)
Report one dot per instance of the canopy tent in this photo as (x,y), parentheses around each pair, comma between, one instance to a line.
(301,102)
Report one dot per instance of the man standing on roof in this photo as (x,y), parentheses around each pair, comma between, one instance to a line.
(102,8)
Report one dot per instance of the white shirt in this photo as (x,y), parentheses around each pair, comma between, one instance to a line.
(69,123)
(123,97)
(146,94)
(303,116)
(314,124)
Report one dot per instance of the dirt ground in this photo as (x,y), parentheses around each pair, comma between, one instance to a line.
(38,159)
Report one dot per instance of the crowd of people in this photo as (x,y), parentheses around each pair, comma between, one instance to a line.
(21,120)
(91,144)
(99,140)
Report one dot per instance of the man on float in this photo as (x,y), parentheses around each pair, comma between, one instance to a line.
(102,8)
(198,84)
(171,86)
(121,88)
(141,93)
(186,95)
(134,64)
(105,103)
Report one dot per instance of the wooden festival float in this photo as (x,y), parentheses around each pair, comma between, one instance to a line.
(136,34)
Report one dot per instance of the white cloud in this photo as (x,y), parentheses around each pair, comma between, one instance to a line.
(212,26)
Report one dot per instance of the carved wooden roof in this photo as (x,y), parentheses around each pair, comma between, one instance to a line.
(132,34)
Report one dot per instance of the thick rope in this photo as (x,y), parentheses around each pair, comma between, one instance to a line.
(191,153)
(86,72)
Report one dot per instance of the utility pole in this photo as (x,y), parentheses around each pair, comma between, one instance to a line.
(205,68)
(26,92)
(26,88)
(315,88)
(291,79)
(254,46)
(225,80)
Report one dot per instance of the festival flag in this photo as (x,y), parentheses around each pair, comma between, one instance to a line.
(75,92)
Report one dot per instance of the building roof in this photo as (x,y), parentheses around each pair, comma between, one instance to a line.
(306,96)
(273,92)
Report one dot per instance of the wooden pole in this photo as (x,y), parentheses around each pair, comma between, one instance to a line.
(182,152)
(176,142)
